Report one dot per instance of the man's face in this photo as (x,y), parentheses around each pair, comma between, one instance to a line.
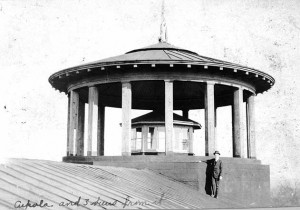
(217,156)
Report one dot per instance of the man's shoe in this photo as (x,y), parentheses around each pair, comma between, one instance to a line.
(212,195)
(216,197)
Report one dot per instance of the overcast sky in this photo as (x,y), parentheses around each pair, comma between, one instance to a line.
(39,38)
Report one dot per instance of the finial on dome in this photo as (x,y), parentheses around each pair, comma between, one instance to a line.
(163,26)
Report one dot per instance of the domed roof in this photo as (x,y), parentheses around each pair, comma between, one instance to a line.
(161,53)
(161,46)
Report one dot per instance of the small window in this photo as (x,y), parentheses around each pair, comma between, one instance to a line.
(136,139)
(139,138)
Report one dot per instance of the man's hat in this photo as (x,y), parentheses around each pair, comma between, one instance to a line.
(217,152)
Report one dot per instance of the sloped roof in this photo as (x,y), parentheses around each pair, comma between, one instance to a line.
(161,45)
(55,182)
(163,52)
(157,117)
(160,53)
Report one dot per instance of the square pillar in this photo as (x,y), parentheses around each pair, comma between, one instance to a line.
(191,141)
(126,118)
(216,116)
(169,117)
(185,113)
(68,124)
(216,129)
(237,123)
(80,129)
(250,108)
(101,128)
(144,144)
(209,101)
(155,139)
(73,122)
(92,121)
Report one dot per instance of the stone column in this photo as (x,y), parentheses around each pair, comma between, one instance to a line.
(73,121)
(169,117)
(251,127)
(92,121)
(68,124)
(185,113)
(237,122)
(155,140)
(126,118)
(101,128)
(80,129)
(144,139)
(216,116)
(216,129)
(209,101)
(191,141)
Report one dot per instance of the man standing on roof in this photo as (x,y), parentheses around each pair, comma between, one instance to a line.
(217,174)
(216,166)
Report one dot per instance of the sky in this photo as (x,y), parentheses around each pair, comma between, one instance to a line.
(39,38)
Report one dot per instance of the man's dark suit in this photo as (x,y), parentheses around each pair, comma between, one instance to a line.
(217,172)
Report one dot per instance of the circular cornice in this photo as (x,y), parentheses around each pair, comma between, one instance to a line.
(156,57)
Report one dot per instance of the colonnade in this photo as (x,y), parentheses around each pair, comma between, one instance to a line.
(96,118)
(76,117)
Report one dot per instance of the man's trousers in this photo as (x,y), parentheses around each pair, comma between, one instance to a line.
(215,186)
